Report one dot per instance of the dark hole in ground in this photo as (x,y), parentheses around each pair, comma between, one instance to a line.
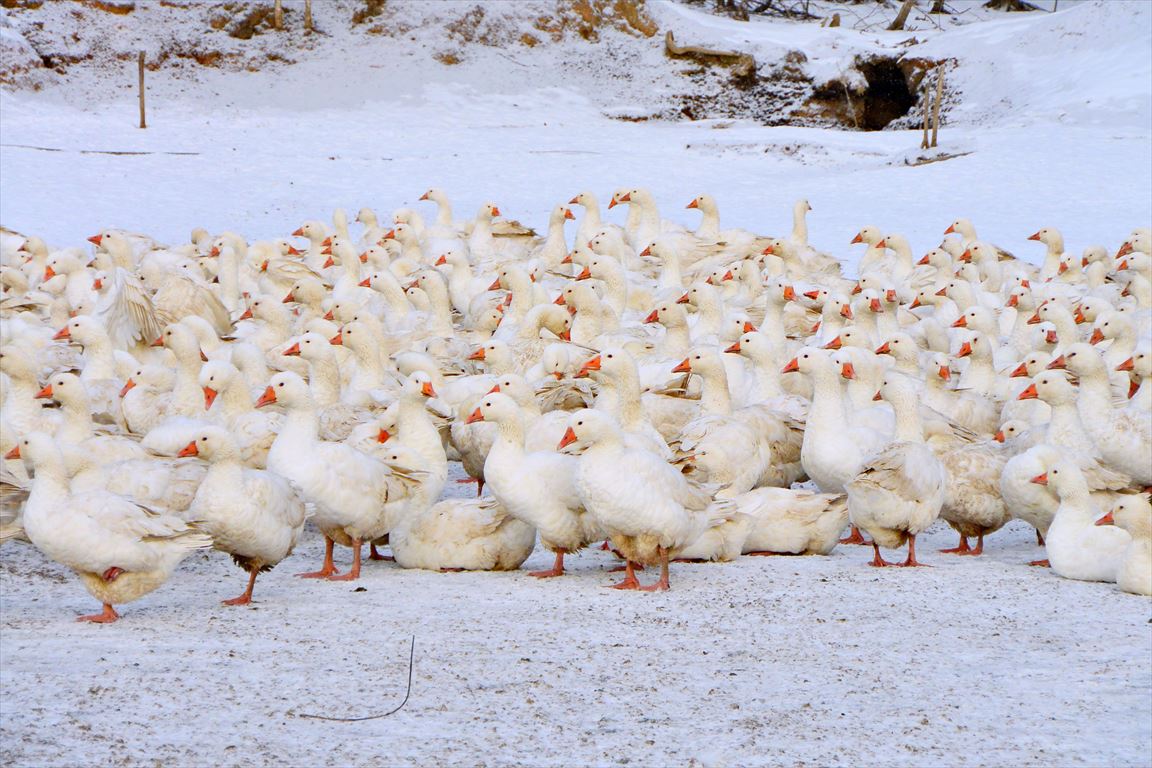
(887,98)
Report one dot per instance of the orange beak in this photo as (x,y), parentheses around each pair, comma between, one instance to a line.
(1035,319)
(945,373)
(364,257)
(264,265)
(728,275)
(292,251)
(337,340)
(683,367)
(442,260)
(389,235)
(495,285)
(1013,300)
(846,311)
(97,284)
(653,317)
(942,292)
(128,385)
(1051,337)
(568,214)
(1079,317)
(1041,479)
(692,204)
(923,260)
(1035,236)
(568,439)
(566,334)
(1058,364)
(748,327)
(734,348)
(591,365)
(834,344)
(159,342)
(63,333)
(49,273)
(647,251)
(874,305)
(789,293)
(209,397)
(951,229)
(383,436)
(495,389)
(965,350)
(1029,394)
(999,436)
(566,260)
(299,232)
(856,239)
(291,297)
(813,295)
(961,322)
(267,398)
(44,393)
(1020,370)
(477,355)
(426,389)
(883,349)
(246,316)
(1125,249)
(328,262)
(877,396)
(13,454)
(188,450)
(793,365)
(574,201)
(329,316)
(856,289)
(584,274)
(882,244)
(1062,268)
(292,351)
(848,371)
(560,301)
(1097,336)
(215,251)
(96,239)
(1106,520)
(683,299)
(495,211)
(474,417)
(1127,365)
(915,303)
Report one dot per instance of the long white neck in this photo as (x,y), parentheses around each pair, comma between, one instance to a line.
(800,225)
(76,425)
(709,228)
(909,427)
(228,275)
(418,432)
(99,362)
(443,213)
(677,340)
(714,395)
(324,381)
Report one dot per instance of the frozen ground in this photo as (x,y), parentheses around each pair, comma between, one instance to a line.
(786,661)
(763,661)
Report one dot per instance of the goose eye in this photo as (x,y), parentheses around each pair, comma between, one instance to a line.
(204,439)
(805,357)
(608,356)
(280,384)
(579,423)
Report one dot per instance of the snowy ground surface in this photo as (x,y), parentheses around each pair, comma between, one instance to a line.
(786,661)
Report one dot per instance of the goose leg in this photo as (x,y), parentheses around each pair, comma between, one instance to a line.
(557,567)
(979,548)
(108,616)
(354,572)
(374,554)
(855,537)
(662,585)
(877,560)
(910,562)
(630,580)
(1039,538)
(245,598)
(328,568)
(961,549)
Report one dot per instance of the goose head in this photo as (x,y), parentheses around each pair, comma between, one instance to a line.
(705,203)
(211,443)
(1133,513)
(868,235)
(1053,387)
(588,427)
(17,364)
(962,227)
(1083,361)
(315,231)
(66,389)
(516,387)
(217,376)
(496,407)
(669,314)
(287,389)
(1033,364)
(1051,237)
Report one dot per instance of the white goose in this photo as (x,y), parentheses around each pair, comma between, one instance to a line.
(1133,513)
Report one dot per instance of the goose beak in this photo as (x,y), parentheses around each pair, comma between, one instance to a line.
(568,439)
(495,211)
(585,274)
(96,239)
(441,261)
(813,295)
(1020,370)
(653,317)
(424,196)
(49,273)
(692,204)
(566,260)
(63,333)
(560,301)
(1097,336)
(329,316)
(789,293)
(834,344)
(495,389)
(683,299)
(215,251)
(1051,337)
(209,397)
(477,355)
(1058,364)
(292,351)
(1127,365)
(748,327)
(874,305)
(793,365)
(495,285)
(1035,236)
(951,229)
(574,201)
(1079,317)
(13,454)
(942,292)
(337,340)
(383,436)
(961,322)
(923,261)
(365,283)
(44,393)
(97,284)
(128,385)
(364,257)
(299,232)
(1041,479)
(883,349)
(882,244)
(965,349)
(999,436)
(328,262)
(427,390)
(389,235)
(915,303)
(856,239)
(647,251)
(877,396)
(565,335)
(1106,520)
(856,289)
(291,297)
(1035,319)
(683,367)
(1013,300)
(734,348)
(967,255)
(203,357)
(848,371)
(292,251)
(591,365)
(246,316)
(846,311)
(264,265)
(945,373)
(1029,394)
(568,214)
(267,398)
(474,417)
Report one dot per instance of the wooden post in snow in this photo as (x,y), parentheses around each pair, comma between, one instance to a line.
(926,98)
(140,62)
(308,15)
(936,105)
(901,16)
(277,15)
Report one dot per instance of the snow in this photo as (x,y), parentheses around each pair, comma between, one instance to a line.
(764,661)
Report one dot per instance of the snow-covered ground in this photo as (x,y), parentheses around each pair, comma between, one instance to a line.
(815,661)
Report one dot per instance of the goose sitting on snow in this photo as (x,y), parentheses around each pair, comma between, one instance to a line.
(1133,513)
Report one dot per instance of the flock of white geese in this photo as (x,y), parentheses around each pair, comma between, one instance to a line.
(678,394)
